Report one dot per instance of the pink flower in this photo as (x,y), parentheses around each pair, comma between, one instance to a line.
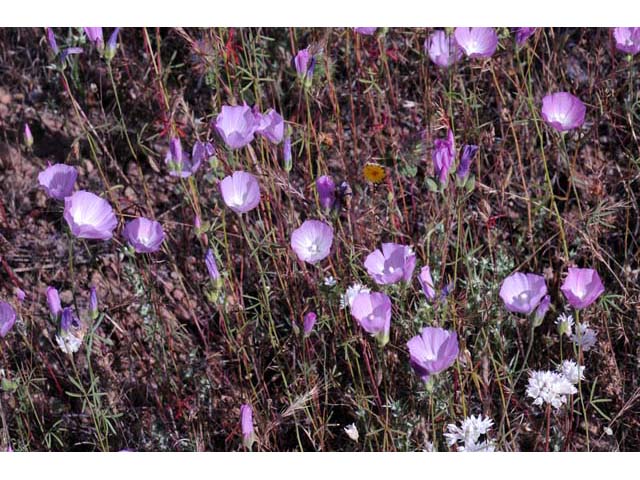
(236,125)
(7,318)
(426,282)
(240,192)
(312,241)
(582,287)
(391,264)
(563,111)
(144,235)
(89,216)
(522,292)
(373,312)
(627,39)
(270,125)
(246,425)
(58,180)
(477,42)
(443,50)
(308,322)
(433,351)
(443,155)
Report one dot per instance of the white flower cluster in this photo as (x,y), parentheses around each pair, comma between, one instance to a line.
(68,342)
(553,387)
(352,292)
(571,371)
(584,337)
(467,437)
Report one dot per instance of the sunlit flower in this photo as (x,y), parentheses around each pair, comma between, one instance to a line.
(365,30)
(58,180)
(627,39)
(391,264)
(352,292)
(471,435)
(563,111)
(312,241)
(433,351)
(246,425)
(180,163)
(571,371)
(144,235)
(28,137)
(549,387)
(522,292)
(94,34)
(89,216)
(565,324)
(236,125)
(270,125)
(373,312)
(443,49)
(240,192)
(582,287)
(477,42)
(352,432)
(426,282)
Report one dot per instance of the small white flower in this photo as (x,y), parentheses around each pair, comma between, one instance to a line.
(351,293)
(352,432)
(330,281)
(608,431)
(469,433)
(549,387)
(478,447)
(571,371)
(68,342)
(565,324)
(584,337)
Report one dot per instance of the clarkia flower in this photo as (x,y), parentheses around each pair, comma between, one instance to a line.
(542,309)
(94,34)
(68,320)
(426,282)
(112,45)
(627,39)
(240,192)
(346,300)
(69,339)
(212,267)
(20,294)
(308,322)
(236,125)
(477,42)
(444,152)
(442,49)
(312,241)
(94,312)
(89,216)
(7,318)
(365,30)
(326,188)
(53,300)
(433,351)
(144,235)
(286,153)
(58,180)
(468,153)
(270,125)
(563,111)
(373,312)
(305,63)
(522,292)
(51,38)
(582,287)
(202,151)
(246,425)
(522,34)
(391,264)
(179,162)
(28,137)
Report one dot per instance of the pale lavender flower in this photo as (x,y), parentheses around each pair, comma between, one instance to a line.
(240,192)
(468,153)
(391,264)
(144,235)
(444,152)
(443,50)
(584,337)
(627,39)
(70,51)
(522,292)
(549,387)
(94,34)
(212,266)
(373,312)
(246,425)
(308,322)
(179,162)
(7,318)
(304,63)
(58,180)
(89,216)
(286,153)
(94,312)
(51,38)
(112,45)
(270,125)
(20,294)
(522,34)
(236,125)
(326,191)
(28,137)
(432,351)
(202,151)
(542,309)
(477,42)
(426,282)
(365,30)
(582,287)
(69,339)
(563,111)
(53,300)
(312,241)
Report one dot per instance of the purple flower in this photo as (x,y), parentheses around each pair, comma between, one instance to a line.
(240,192)
(522,292)
(70,51)
(312,241)
(201,152)
(7,318)
(433,351)
(304,63)
(51,38)
(582,287)
(94,312)
(68,320)
(286,153)
(212,267)
(522,34)
(444,152)
(28,137)
(89,216)
(236,125)
(326,191)
(308,322)
(365,30)
(443,50)
(468,153)
(58,180)
(144,235)
(627,39)
(179,162)
(20,294)
(373,312)
(563,111)
(542,309)
(477,42)
(270,125)
(391,264)
(53,300)
(94,34)
(426,282)
(112,45)
(246,425)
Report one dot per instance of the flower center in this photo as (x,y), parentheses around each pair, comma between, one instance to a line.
(313,248)
(524,296)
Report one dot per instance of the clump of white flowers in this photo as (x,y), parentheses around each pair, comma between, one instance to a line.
(584,337)
(352,292)
(571,371)
(549,387)
(68,342)
(352,432)
(468,437)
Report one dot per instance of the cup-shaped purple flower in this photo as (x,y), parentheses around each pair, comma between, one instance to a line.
(270,125)
(522,34)
(7,318)
(627,39)
(477,42)
(58,180)
(144,235)
(326,188)
(365,30)
(443,155)
(433,351)
(443,49)
(240,192)
(563,111)
(312,241)
(246,425)
(304,63)
(201,152)
(94,34)
(468,154)
(426,282)
(373,312)
(53,300)
(582,287)
(522,292)
(308,322)
(68,319)
(236,125)
(89,216)
(391,264)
